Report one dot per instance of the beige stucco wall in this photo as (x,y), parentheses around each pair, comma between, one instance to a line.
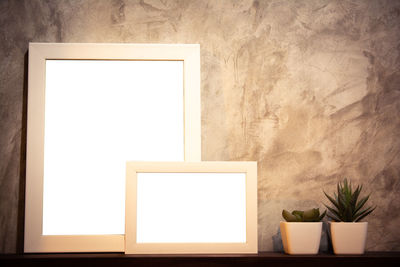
(310,89)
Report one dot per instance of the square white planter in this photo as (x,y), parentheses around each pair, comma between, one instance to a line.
(348,237)
(301,237)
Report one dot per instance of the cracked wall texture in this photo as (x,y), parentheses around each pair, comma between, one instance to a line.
(310,89)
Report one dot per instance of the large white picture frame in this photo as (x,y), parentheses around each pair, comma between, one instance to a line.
(191,207)
(39,128)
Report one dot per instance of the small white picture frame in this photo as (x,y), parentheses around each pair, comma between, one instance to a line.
(191,207)
(49,67)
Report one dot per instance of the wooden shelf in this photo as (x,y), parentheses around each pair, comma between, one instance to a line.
(260,259)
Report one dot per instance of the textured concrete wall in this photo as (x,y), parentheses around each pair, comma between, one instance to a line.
(309,89)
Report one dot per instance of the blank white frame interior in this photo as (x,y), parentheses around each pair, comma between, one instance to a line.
(92,107)
(191,207)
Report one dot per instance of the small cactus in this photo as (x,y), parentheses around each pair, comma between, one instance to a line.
(311,215)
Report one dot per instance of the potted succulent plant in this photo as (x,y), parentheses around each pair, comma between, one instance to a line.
(348,233)
(301,233)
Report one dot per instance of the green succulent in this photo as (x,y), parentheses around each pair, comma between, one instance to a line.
(347,207)
(311,215)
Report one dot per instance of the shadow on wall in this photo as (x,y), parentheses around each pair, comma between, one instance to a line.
(22,161)
(277,244)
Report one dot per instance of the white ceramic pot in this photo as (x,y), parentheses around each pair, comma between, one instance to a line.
(301,237)
(348,237)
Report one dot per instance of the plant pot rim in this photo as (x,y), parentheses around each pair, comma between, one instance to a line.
(348,222)
(301,222)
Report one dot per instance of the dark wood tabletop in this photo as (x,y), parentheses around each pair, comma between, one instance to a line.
(260,259)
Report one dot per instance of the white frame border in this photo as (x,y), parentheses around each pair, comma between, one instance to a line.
(132,168)
(38,54)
